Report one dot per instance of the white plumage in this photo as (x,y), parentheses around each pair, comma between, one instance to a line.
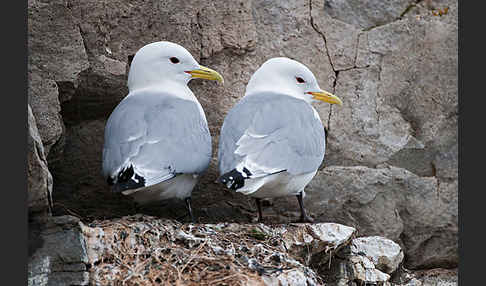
(157,139)
(272,141)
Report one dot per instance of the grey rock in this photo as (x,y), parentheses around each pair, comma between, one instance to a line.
(366,14)
(56,59)
(385,254)
(68,278)
(341,38)
(43,97)
(319,237)
(59,256)
(432,242)
(113,66)
(420,213)
(419,78)
(364,57)
(364,131)
(39,179)
(415,54)
(394,115)
(409,121)
(365,260)
(430,277)
(314,244)
(79,147)
(438,277)
(55,43)
(364,271)
(292,277)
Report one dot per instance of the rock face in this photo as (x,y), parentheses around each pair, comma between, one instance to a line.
(39,179)
(44,99)
(57,253)
(391,161)
(368,14)
(55,43)
(418,212)
(56,59)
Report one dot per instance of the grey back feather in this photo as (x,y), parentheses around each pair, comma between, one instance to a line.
(159,134)
(271,132)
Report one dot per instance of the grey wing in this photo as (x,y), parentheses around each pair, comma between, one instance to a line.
(269,133)
(157,136)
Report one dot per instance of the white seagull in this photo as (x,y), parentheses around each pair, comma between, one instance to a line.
(157,140)
(273,141)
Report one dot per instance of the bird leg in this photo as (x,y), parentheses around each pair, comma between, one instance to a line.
(303,215)
(259,206)
(189,209)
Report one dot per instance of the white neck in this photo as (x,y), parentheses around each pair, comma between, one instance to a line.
(178,89)
(281,90)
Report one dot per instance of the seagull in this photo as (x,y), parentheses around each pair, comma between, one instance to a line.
(273,141)
(157,141)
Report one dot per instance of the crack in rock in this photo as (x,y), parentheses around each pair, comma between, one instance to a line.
(314,26)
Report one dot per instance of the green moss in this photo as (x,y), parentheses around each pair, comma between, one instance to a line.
(257,234)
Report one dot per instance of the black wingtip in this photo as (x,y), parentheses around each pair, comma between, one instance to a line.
(127,179)
(234,179)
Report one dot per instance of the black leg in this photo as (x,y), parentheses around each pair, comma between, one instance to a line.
(189,209)
(259,206)
(303,216)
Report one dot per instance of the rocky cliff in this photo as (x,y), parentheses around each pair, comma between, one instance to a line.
(391,163)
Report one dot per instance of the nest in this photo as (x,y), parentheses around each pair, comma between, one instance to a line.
(143,250)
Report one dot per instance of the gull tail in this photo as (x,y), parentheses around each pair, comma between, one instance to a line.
(234,179)
(126,179)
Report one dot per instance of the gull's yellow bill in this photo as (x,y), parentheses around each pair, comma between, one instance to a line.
(326,97)
(206,73)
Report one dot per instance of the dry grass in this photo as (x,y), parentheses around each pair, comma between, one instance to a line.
(143,250)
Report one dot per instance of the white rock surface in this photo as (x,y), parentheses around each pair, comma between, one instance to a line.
(385,254)
(364,271)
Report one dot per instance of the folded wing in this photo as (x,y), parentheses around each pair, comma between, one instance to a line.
(150,138)
(268,133)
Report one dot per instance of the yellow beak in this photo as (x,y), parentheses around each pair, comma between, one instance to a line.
(325,96)
(206,73)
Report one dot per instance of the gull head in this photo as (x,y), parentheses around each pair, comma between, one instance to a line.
(166,62)
(286,76)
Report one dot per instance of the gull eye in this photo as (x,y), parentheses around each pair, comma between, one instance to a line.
(300,80)
(174,60)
